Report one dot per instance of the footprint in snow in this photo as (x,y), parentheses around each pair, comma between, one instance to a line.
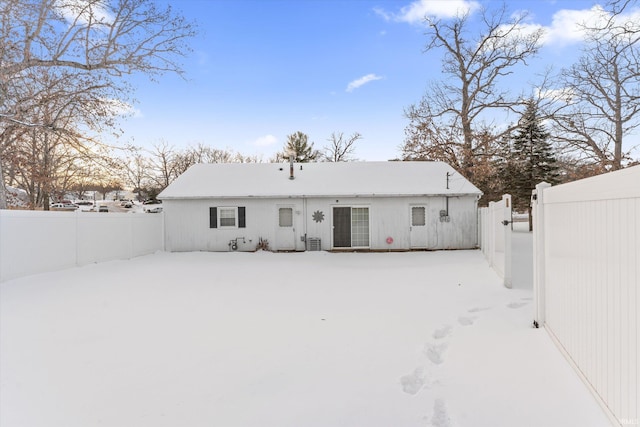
(466,320)
(413,382)
(477,309)
(442,332)
(440,417)
(516,304)
(435,352)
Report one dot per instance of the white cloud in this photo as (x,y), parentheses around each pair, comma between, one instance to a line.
(85,12)
(567,26)
(564,95)
(120,108)
(362,81)
(415,12)
(265,141)
(383,13)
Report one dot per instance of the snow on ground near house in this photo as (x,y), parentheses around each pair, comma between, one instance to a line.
(262,339)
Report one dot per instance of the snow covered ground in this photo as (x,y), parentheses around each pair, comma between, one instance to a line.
(300,339)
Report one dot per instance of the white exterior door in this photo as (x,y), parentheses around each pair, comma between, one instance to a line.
(418,227)
(285,228)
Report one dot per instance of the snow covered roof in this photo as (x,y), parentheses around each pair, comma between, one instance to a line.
(374,179)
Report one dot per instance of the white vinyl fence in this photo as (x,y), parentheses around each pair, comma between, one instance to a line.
(495,236)
(37,241)
(586,274)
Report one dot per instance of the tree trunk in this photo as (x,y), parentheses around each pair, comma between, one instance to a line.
(3,190)
(617,154)
(46,173)
(468,159)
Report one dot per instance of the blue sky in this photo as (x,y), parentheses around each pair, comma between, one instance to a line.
(261,70)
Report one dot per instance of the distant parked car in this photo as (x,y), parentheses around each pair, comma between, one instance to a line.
(152,202)
(103,208)
(157,209)
(64,206)
(128,204)
(84,202)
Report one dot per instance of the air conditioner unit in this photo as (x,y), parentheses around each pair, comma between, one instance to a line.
(313,244)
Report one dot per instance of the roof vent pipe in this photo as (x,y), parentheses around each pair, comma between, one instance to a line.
(291,167)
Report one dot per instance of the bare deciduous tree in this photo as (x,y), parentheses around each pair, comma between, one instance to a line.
(448,122)
(341,148)
(117,37)
(599,103)
(190,156)
(162,164)
(41,156)
(92,44)
(136,170)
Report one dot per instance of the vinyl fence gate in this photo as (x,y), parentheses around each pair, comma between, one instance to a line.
(586,274)
(494,230)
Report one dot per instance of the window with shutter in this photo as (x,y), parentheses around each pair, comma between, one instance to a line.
(227,217)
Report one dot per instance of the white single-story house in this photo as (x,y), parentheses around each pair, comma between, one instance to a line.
(320,206)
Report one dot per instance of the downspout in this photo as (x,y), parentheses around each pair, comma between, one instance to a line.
(304,221)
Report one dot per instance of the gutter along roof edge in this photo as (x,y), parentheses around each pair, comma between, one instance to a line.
(321,196)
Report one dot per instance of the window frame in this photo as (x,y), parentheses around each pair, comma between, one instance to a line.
(239,217)
(233,209)
(290,209)
(357,227)
(423,208)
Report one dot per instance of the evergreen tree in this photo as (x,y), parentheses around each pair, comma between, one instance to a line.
(529,160)
(298,145)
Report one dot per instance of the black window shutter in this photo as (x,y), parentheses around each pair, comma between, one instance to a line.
(213,217)
(242,222)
